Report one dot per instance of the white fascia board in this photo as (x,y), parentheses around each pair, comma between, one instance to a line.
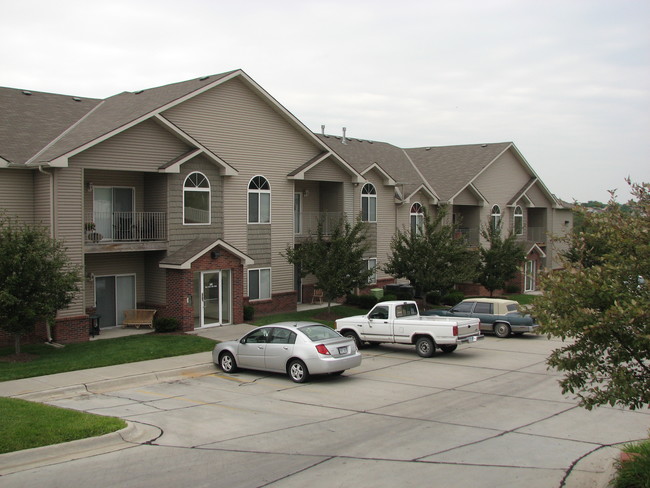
(187,139)
(62,161)
(539,250)
(554,202)
(388,179)
(301,174)
(4,163)
(433,198)
(245,258)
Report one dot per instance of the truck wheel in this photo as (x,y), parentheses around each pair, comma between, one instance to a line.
(351,335)
(501,330)
(425,347)
(447,348)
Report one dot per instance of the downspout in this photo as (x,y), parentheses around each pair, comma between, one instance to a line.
(48,326)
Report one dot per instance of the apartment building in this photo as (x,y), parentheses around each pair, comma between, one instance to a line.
(182,197)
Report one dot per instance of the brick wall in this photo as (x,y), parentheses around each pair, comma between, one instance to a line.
(71,329)
(279,302)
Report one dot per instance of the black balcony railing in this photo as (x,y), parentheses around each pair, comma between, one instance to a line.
(127,227)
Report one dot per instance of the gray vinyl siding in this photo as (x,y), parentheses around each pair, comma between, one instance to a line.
(538,198)
(155,279)
(180,233)
(466,197)
(144,147)
(327,170)
(43,199)
(17,194)
(259,245)
(111,264)
(68,184)
(238,126)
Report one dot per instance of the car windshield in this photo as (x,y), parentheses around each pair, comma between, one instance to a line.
(319,332)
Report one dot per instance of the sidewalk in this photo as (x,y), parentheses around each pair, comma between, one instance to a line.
(107,378)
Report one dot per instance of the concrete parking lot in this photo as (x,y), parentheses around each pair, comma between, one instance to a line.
(488,415)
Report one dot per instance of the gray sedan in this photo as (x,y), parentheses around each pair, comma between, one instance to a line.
(298,349)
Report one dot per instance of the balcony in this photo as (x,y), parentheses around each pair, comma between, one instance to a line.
(307,223)
(145,229)
(469,235)
(536,234)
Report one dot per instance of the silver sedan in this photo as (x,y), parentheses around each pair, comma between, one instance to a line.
(298,349)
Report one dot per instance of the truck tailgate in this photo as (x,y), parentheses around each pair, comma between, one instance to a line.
(467,326)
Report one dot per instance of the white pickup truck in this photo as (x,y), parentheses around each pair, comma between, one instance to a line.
(400,322)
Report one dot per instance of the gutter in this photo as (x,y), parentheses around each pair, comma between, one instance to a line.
(48,326)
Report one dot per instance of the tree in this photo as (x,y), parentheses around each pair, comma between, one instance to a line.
(335,260)
(36,278)
(501,261)
(433,258)
(601,302)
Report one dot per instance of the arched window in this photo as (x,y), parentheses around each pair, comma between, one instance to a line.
(417,218)
(495,218)
(259,201)
(519,221)
(196,199)
(369,203)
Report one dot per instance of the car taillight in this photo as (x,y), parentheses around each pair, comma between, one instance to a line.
(322,349)
(455,330)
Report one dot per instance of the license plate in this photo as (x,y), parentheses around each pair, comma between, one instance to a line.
(343,350)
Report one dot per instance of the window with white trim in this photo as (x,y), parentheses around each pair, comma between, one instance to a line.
(369,203)
(259,201)
(259,284)
(372,265)
(196,199)
(495,218)
(417,218)
(519,221)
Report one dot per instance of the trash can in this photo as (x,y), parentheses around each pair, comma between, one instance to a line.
(378,293)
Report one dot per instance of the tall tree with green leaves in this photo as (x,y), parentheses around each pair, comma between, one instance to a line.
(433,258)
(600,301)
(36,278)
(501,259)
(336,259)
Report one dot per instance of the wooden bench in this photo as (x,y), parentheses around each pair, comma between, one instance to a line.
(138,317)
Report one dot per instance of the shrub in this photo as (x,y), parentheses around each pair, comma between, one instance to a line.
(634,472)
(388,296)
(434,298)
(512,288)
(367,301)
(453,297)
(166,324)
(249,313)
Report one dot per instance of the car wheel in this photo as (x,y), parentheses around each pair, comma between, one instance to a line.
(501,330)
(298,371)
(447,348)
(425,347)
(351,335)
(227,363)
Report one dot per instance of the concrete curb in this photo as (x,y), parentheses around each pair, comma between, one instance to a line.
(111,384)
(596,470)
(133,434)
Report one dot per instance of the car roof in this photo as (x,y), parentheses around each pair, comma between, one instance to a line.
(294,324)
(489,300)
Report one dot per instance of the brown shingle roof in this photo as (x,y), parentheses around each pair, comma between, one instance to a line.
(30,120)
(449,169)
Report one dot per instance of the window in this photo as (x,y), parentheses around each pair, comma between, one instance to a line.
(417,218)
(482,307)
(282,336)
(196,199)
(259,201)
(495,218)
(259,284)
(372,265)
(519,221)
(369,203)
(380,312)
(463,307)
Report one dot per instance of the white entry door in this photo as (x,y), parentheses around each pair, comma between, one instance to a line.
(530,271)
(212,299)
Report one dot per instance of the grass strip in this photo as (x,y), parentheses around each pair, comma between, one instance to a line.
(107,352)
(27,424)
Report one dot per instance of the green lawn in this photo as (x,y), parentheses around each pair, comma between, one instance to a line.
(106,352)
(26,425)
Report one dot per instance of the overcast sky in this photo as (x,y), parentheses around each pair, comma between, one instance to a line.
(567,81)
